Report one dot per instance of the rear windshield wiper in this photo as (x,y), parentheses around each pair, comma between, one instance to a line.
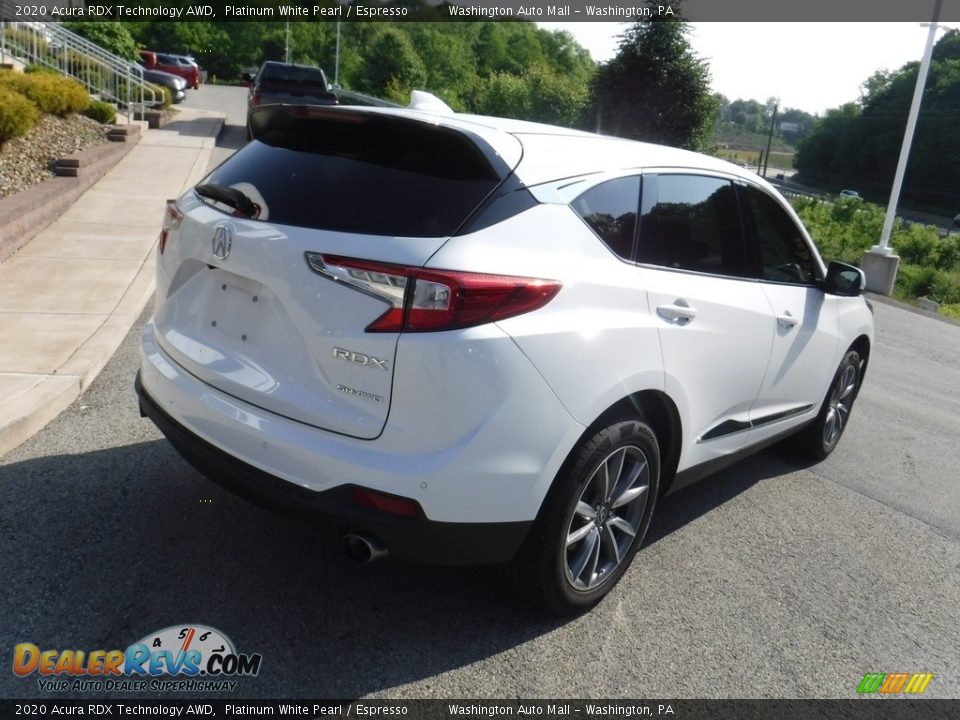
(229,196)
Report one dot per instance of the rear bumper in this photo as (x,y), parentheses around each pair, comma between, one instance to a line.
(410,538)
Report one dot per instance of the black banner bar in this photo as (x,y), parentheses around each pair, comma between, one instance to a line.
(859,709)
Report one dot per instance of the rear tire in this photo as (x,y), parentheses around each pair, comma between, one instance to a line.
(592,522)
(822,436)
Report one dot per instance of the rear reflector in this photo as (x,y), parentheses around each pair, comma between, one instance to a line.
(390,504)
(434,300)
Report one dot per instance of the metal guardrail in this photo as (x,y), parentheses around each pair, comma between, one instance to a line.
(105,75)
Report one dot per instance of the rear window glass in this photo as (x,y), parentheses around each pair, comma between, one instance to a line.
(370,175)
(293,75)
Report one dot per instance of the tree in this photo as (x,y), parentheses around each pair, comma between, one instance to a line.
(392,66)
(656,89)
(857,145)
(112,37)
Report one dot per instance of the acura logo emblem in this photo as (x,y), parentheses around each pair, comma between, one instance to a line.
(222,241)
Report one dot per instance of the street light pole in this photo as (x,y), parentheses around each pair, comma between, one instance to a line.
(879,263)
(336,67)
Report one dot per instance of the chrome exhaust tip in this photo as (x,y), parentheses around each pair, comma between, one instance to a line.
(362,548)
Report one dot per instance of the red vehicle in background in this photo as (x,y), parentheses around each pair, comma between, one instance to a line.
(171,64)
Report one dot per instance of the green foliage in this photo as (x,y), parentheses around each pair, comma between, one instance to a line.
(464,63)
(390,61)
(111,36)
(951,311)
(40,69)
(857,143)
(163,94)
(23,38)
(102,112)
(914,281)
(842,228)
(17,113)
(656,89)
(52,94)
(919,245)
(539,94)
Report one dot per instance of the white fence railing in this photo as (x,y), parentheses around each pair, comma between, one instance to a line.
(105,75)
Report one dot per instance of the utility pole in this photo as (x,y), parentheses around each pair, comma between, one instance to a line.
(879,263)
(286,44)
(773,119)
(336,66)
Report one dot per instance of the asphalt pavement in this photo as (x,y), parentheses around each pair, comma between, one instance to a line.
(773,578)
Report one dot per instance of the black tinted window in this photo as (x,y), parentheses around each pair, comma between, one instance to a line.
(293,74)
(611,210)
(370,175)
(698,224)
(784,254)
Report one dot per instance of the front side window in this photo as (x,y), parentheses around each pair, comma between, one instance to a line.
(784,254)
(697,221)
(610,209)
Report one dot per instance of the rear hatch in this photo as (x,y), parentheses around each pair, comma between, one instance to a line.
(245,302)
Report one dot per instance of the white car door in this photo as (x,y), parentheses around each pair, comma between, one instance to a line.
(804,318)
(714,320)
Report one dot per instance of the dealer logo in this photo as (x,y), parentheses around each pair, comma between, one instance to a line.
(187,652)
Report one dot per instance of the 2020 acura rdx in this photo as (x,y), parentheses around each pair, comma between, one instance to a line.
(462,339)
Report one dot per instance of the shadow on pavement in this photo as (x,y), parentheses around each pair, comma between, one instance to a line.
(197,127)
(115,544)
(683,507)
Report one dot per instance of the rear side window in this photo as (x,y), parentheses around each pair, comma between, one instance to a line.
(696,225)
(610,209)
(372,175)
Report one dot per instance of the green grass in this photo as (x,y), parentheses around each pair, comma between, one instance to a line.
(778,160)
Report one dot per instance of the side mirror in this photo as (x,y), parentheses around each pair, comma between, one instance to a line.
(247,79)
(843,279)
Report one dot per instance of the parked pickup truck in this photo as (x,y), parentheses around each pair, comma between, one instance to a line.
(172,64)
(278,83)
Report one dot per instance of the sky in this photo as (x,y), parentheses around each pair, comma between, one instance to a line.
(809,66)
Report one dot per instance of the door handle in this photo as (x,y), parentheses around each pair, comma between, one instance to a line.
(786,320)
(678,311)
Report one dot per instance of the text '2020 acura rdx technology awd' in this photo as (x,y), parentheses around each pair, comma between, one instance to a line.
(462,339)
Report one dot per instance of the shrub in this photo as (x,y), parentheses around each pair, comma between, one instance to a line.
(17,114)
(914,281)
(52,94)
(102,112)
(40,69)
(945,288)
(918,245)
(950,253)
(951,311)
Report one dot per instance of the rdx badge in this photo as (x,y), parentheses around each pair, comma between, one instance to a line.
(359,358)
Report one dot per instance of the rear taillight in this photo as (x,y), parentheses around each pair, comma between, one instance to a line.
(254,99)
(171,221)
(432,300)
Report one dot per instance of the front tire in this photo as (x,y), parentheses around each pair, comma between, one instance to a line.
(821,437)
(592,522)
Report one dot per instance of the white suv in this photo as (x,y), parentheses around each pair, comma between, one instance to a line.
(461,339)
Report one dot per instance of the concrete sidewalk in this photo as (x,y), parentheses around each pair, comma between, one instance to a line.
(70,295)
